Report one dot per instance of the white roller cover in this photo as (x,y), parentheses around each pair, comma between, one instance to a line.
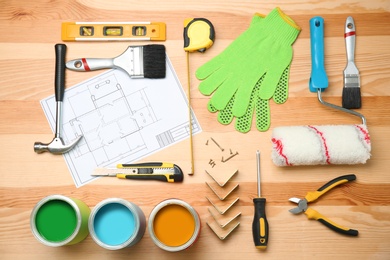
(315,145)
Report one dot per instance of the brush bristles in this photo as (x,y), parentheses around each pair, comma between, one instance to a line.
(351,98)
(154,61)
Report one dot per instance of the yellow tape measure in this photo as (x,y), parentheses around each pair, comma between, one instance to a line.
(198,35)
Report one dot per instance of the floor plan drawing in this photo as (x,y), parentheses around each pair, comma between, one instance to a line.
(121,120)
(108,110)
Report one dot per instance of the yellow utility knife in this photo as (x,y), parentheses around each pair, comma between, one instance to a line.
(160,171)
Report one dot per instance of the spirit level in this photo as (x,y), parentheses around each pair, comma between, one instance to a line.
(113,31)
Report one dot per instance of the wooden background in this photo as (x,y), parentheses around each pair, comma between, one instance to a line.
(28,32)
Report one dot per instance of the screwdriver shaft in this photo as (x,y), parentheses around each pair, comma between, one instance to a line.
(258,174)
(260,224)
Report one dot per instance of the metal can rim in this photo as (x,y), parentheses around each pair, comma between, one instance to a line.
(187,206)
(133,208)
(40,204)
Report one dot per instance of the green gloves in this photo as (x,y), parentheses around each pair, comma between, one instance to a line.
(263,116)
(263,52)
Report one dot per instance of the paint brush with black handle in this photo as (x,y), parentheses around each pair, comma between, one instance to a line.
(351,91)
(145,61)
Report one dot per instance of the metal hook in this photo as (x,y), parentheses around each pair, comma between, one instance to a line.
(230,157)
(340,108)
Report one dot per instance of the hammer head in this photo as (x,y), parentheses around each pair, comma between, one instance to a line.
(56,146)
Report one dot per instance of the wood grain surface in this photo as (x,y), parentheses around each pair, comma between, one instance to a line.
(30,29)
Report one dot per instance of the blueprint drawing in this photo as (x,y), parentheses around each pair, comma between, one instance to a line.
(122,120)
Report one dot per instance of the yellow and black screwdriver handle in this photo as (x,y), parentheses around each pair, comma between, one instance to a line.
(315,215)
(260,224)
(160,171)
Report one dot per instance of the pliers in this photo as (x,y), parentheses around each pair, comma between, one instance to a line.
(312,196)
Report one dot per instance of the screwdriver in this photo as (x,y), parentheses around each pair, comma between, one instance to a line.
(260,223)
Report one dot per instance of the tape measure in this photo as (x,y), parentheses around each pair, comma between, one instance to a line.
(198,34)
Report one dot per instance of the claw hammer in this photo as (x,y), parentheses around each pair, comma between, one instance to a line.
(57,145)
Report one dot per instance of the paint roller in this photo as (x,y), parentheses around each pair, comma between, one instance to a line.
(316,144)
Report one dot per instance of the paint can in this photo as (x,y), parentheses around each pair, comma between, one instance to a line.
(58,220)
(174,225)
(116,223)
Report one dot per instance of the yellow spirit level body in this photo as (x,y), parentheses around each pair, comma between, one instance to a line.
(113,31)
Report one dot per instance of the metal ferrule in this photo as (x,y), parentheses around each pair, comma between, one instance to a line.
(135,68)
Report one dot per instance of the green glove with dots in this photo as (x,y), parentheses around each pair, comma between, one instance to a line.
(264,51)
(243,124)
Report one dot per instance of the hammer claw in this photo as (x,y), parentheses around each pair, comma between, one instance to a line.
(56,146)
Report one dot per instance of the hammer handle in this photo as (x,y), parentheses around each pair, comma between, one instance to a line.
(60,71)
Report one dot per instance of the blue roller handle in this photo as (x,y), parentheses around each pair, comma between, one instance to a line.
(318,77)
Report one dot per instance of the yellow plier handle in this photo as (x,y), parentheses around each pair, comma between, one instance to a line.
(313,214)
(313,195)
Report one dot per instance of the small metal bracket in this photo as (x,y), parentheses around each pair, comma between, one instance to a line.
(224,183)
(227,223)
(226,209)
(224,197)
(222,237)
